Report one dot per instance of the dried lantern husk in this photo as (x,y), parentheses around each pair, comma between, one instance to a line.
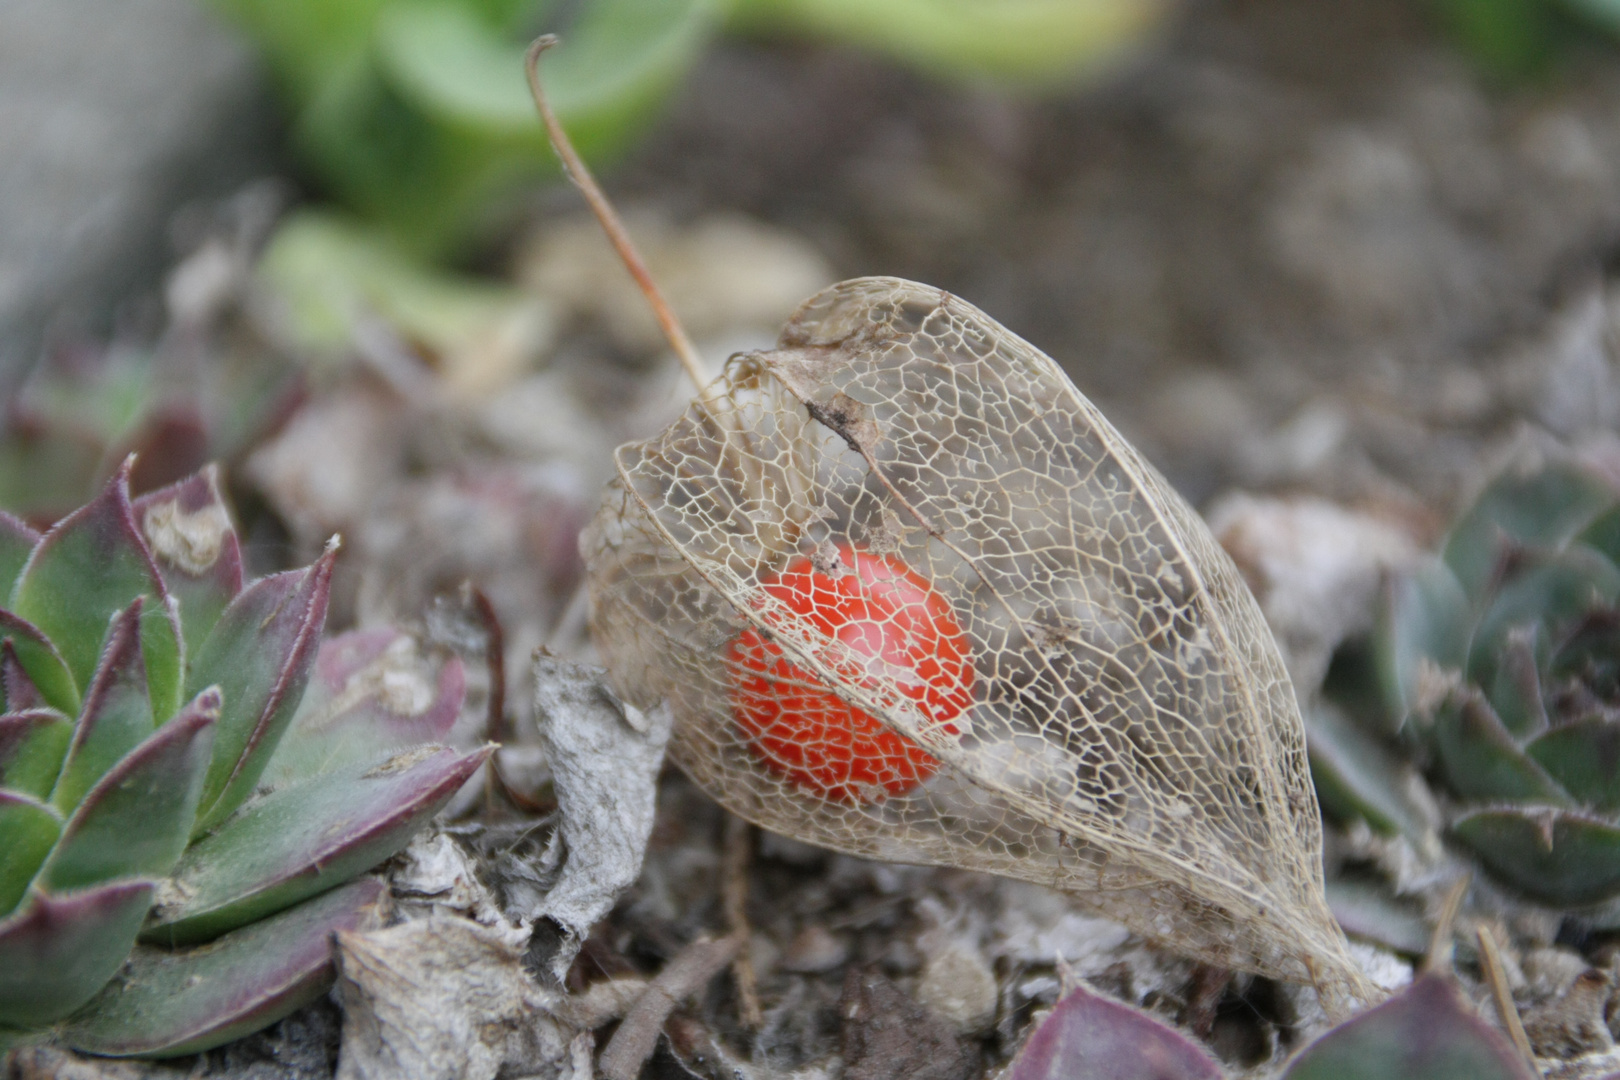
(1133,738)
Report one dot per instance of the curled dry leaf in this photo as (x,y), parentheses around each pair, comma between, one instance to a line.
(910,596)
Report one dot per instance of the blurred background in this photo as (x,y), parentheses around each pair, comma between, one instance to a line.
(1350,248)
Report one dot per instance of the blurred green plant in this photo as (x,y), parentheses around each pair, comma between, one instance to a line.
(182,824)
(416,112)
(1519,39)
(1498,663)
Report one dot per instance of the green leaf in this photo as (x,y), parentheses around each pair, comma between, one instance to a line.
(30,828)
(1556,589)
(358,705)
(168,1003)
(33,744)
(117,714)
(1030,44)
(188,528)
(1510,39)
(1357,776)
(1558,857)
(1367,911)
(1584,757)
(259,655)
(57,951)
(304,839)
(17,542)
(1541,508)
(432,130)
(1515,690)
(135,822)
(92,564)
(1422,625)
(1425,1032)
(40,661)
(1481,760)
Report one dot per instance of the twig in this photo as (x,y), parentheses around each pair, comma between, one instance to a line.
(734,886)
(683,976)
(577,171)
(1439,957)
(1502,995)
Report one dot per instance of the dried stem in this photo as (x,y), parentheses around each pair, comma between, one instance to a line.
(682,977)
(1439,957)
(581,176)
(734,884)
(1502,995)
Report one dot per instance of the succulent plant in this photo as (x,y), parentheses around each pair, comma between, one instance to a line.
(149,798)
(1500,659)
(1425,1032)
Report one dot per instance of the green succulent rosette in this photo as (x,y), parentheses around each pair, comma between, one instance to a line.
(1500,658)
(191,779)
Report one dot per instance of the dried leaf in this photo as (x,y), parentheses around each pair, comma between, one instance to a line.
(1126,729)
(605,757)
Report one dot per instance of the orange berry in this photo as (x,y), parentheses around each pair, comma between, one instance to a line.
(890,620)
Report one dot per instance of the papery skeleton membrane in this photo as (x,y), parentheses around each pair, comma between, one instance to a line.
(1126,733)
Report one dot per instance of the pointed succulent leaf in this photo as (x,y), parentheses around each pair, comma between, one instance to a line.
(1590,653)
(1368,912)
(1358,776)
(33,743)
(1423,626)
(1554,589)
(167,1003)
(30,828)
(136,820)
(1481,760)
(1423,1033)
(259,655)
(1089,1037)
(1559,857)
(16,687)
(57,951)
(1584,757)
(17,542)
(371,693)
(91,564)
(1544,508)
(39,660)
(189,531)
(1515,689)
(301,840)
(1603,534)
(117,713)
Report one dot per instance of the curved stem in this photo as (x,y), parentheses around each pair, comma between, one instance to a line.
(581,176)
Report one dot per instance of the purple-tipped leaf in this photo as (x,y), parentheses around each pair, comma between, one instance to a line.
(1089,1037)
(1423,1033)
(170,1003)
(91,564)
(304,839)
(58,951)
(260,655)
(117,713)
(33,743)
(17,542)
(188,528)
(18,689)
(28,829)
(135,822)
(370,693)
(40,662)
